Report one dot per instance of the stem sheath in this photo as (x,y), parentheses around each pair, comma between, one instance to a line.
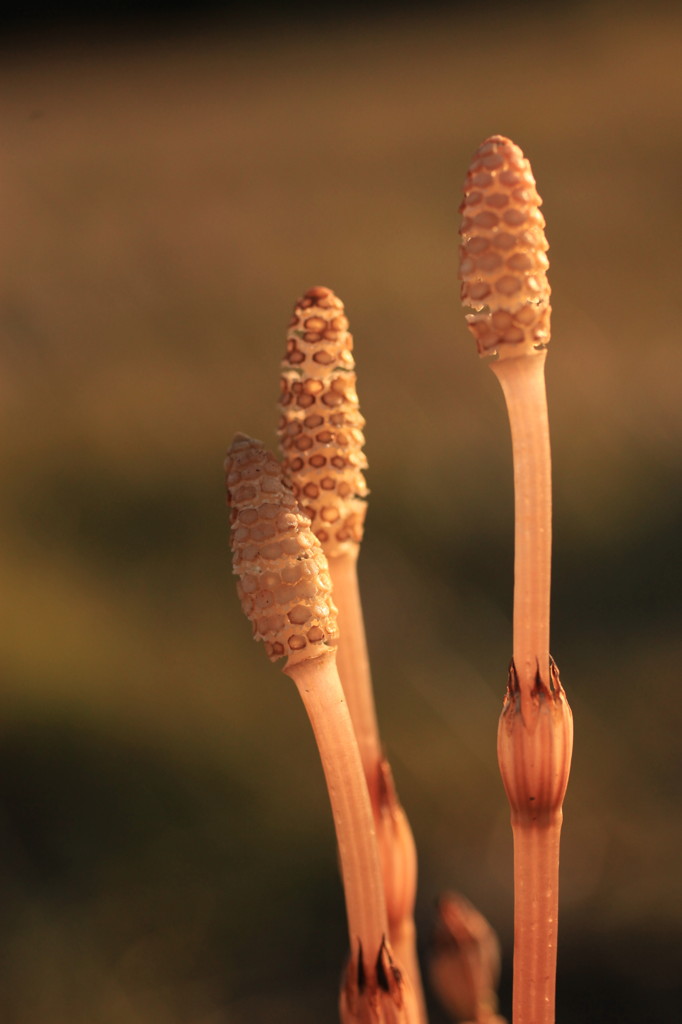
(534,748)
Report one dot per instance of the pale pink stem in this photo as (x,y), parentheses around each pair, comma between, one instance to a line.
(536,887)
(523,384)
(396,843)
(353,663)
(320,688)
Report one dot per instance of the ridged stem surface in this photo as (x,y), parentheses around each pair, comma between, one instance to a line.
(320,688)
(523,384)
(396,844)
(352,660)
(536,888)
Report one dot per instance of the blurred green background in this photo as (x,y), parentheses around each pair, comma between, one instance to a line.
(166,852)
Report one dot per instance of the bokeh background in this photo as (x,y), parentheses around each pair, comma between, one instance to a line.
(169,189)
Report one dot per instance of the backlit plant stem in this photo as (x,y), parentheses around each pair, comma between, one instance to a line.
(535,717)
(397,851)
(322,439)
(285,590)
(523,384)
(353,662)
(503,272)
(319,685)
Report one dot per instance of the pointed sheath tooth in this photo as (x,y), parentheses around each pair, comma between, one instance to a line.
(375,993)
(284,583)
(534,748)
(321,428)
(503,255)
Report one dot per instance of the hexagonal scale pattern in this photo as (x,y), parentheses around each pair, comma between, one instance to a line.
(321,428)
(503,255)
(284,583)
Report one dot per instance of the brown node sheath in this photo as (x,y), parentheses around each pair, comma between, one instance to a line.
(384,998)
(535,743)
(534,747)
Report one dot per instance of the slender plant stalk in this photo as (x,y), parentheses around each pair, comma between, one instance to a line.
(523,384)
(319,685)
(397,849)
(503,272)
(353,661)
(285,590)
(536,881)
(321,436)
(536,810)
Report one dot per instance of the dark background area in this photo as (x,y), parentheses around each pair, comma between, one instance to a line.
(170,186)
(176,15)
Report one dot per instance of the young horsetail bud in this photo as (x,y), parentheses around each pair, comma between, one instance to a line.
(503,265)
(465,962)
(284,584)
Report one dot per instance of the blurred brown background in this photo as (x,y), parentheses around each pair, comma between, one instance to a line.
(166,848)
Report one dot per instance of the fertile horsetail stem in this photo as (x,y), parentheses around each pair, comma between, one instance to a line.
(285,591)
(503,271)
(321,437)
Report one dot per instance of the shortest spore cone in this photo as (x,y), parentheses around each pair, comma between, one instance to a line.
(503,256)
(284,584)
